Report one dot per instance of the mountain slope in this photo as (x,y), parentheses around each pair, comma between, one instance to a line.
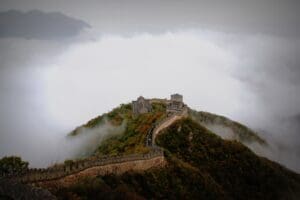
(132,140)
(200,165)
(226,128)
(236,169)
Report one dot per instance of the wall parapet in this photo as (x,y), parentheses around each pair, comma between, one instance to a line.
(158,126)
(57,172)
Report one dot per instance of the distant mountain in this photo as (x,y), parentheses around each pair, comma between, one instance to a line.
(36,24)
(227,128)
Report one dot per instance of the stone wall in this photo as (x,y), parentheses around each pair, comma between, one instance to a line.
(176,104)
(164,123)
(168,121)
(177,97)
(116,168)
(157,100)
(58,172)
(141,106)
(68,172)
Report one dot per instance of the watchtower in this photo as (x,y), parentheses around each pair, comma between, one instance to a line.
(140,106)
(176,103)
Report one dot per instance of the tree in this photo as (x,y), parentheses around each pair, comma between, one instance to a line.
(12,165)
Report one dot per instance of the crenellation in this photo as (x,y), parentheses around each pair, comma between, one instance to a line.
(37,175)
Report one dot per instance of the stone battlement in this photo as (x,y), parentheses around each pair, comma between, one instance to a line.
(57,172)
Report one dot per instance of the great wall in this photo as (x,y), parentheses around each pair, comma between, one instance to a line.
(162,124)
(112,165)
(69,173)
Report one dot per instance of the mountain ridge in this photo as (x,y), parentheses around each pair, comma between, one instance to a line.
(198,162)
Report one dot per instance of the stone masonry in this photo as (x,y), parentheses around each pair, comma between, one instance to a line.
(176,104)
(141,106)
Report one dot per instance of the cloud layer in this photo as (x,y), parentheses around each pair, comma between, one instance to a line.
(36,24)
(268,17)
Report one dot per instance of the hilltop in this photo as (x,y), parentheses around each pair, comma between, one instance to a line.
(133,137)
(167,150)
(200,162)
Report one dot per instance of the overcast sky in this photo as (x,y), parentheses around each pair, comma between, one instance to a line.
(64,62)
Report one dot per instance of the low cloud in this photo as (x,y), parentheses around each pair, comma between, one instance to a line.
(87,140)
(39,25)
(49,145)
(250,79)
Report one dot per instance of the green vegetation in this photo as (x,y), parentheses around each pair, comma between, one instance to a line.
(243,133)
(173,182)
(12,165)
(115,117)
(133,139)
(235,168)
(201,165)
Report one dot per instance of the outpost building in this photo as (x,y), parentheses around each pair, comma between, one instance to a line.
(141,106)
(174,105)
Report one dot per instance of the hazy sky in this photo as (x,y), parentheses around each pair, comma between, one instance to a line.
(65,62)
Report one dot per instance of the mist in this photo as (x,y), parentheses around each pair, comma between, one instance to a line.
(238,59)
(86,80)
(87,140)
(73,88)
(49,145)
